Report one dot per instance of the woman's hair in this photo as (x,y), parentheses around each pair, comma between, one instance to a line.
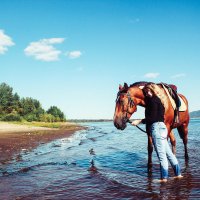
(156,90)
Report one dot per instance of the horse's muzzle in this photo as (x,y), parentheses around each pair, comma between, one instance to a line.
(120,124)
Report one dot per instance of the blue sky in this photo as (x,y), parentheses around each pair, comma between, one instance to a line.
(73,54)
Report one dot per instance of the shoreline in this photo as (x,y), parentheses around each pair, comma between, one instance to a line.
(15,138)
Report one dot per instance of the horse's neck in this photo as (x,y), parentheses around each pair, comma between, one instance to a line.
(138,96)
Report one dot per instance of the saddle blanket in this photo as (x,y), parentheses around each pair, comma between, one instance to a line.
(182,108)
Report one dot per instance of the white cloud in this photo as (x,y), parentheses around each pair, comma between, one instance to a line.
(74,54)
(44,49)
(151,75)
(5,42)
(178,75)
(54,40)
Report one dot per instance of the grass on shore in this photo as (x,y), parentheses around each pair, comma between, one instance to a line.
(55,125)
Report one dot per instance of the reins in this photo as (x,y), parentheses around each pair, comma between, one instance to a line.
(129,121)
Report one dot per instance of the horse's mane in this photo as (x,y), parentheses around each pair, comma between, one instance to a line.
(140,83)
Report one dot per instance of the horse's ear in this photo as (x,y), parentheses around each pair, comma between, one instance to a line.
(120,87)
(125,86)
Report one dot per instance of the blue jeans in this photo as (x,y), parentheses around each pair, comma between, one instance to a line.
(159,135)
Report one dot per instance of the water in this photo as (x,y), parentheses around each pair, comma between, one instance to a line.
(100,163)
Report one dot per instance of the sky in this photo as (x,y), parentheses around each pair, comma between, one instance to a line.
(75,53)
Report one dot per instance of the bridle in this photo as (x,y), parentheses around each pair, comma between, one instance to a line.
(130,102)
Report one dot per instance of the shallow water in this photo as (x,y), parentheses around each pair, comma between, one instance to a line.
(100,163)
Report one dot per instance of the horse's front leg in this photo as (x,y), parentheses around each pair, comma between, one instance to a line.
(173,142)
(150,150)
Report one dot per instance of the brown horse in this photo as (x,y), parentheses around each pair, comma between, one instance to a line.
(128,98)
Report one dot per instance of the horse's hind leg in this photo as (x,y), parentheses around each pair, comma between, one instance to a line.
(183,132)
(173,142)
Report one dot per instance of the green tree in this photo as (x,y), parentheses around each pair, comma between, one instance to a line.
(14,108)
(57,113)
(46,118)
(7,99)
(14,116)
(31,109)
(16,105)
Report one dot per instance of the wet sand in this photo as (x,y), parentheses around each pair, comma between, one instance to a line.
(16,138)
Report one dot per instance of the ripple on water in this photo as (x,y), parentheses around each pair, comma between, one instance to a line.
(66,169)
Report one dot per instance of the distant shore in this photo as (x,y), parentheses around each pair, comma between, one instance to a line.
(15,137)
(89,120)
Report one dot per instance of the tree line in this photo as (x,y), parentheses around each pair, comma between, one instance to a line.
(14,108)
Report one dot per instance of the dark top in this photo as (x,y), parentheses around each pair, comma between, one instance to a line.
(154,111)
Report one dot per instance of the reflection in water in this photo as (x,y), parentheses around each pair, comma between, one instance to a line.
(100,163)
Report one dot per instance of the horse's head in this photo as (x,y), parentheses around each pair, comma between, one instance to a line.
(125,107)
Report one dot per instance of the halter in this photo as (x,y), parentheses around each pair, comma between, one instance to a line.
(130,102)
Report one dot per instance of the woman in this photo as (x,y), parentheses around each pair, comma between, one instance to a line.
(154,120)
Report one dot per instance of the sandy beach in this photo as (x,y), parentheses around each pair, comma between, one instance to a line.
(15,138)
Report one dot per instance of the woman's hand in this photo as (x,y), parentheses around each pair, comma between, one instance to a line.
(135,122)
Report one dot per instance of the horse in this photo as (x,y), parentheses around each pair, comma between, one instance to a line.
(129,97)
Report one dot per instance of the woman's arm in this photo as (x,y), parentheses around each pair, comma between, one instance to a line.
(136,122)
